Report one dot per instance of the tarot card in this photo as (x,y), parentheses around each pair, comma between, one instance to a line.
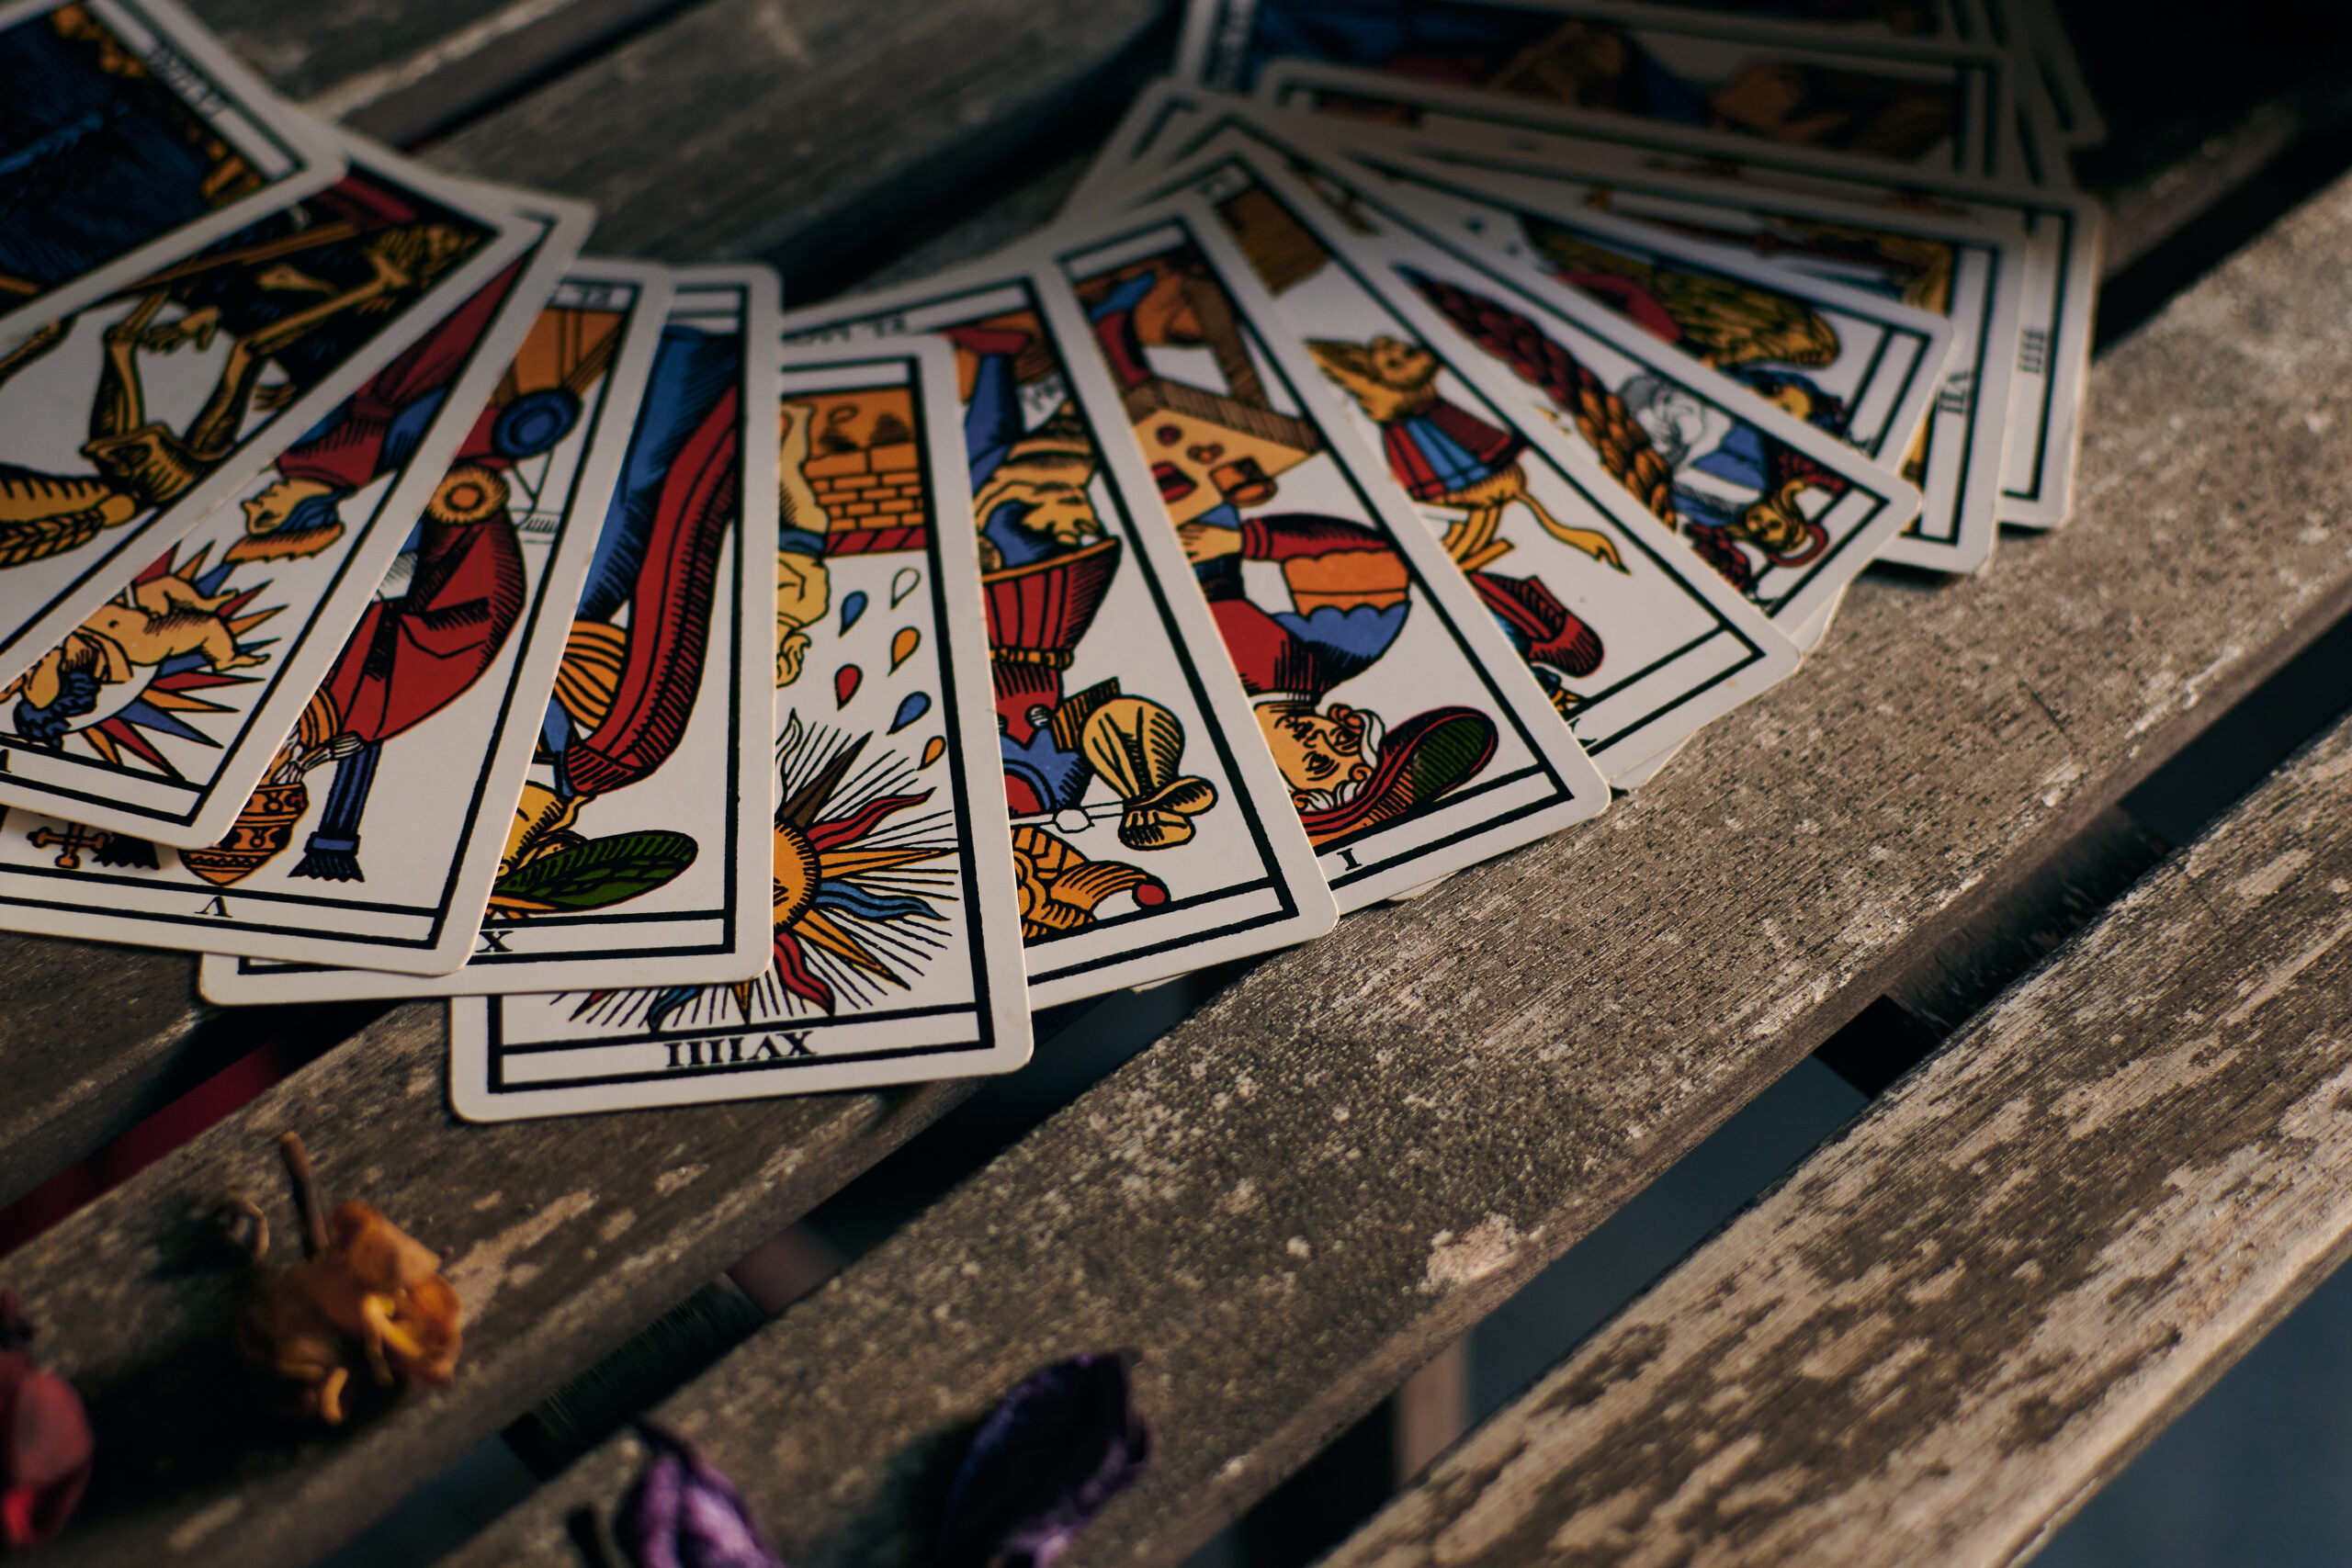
(1151,835)
(1784,511)
(1936,266)
(128,423)
(157,716)
(896,925)
(1858,366)
(1864,368)
(643,823)
(1849,98)
(134,139)
(2034,252)
(169,656)
(1636,640)
(2056,232)
(453,660)
(1412,737)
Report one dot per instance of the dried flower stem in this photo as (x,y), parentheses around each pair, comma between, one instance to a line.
(242,1227)
(306,1194)
(587,1532)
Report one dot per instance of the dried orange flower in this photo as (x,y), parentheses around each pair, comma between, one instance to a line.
(385,1290)
(366,1285)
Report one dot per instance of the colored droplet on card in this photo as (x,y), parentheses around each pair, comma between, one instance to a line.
(853,606)
(902,583)
(845,680)
(914,708)
(934,748)
(902,647)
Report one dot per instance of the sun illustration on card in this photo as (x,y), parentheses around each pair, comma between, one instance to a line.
(139,664)
(861,874)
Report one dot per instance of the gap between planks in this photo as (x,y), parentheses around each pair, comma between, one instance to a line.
(1937,1337)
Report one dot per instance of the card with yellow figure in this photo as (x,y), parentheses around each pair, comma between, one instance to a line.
(1150,833)
(1636,640)
(2015,268)
(895,926)
(1864,362)
(639,838)
(1855,296)
(367,804)
(361,843)
(1412,737)
(157,716)
(1780,509)
(128,424)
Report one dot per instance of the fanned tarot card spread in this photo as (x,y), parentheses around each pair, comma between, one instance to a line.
(244,645)
(633,854)
(159,714)
(2022,262)
(1637,641)
(1861,366)
(125,424)
(1924,268)
(1784,512)
(1406,726)
(897,929)
(1941,107)
(451,663)
(132,139)
(1151,834)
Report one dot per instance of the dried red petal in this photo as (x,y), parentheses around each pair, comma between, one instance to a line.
(46,1452)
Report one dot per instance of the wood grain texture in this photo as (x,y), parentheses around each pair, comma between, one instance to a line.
(1366,1144)
(808,133)
(87,1031)
(401,69)
(562,1237)
(1940,1335)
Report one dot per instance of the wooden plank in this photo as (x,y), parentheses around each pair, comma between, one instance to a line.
(1366,1144)
(562,1237)
(402,69)
(1953,1323)
(820,136)
(81,1040)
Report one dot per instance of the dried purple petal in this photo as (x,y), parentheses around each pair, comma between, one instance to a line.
(684,1513)
(1049,1458)
(45,1444)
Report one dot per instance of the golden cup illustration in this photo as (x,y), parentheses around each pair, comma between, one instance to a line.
(262,829)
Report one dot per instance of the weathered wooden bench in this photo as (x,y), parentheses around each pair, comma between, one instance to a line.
(1930,1344)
